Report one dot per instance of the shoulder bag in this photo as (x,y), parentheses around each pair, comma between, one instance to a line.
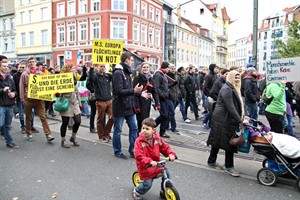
(61,104)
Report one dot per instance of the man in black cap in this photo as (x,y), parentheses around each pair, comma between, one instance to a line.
(161,84)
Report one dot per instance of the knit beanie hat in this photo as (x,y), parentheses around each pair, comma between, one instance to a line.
(249,70)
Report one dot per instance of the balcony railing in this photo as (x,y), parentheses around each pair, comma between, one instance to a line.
(221,50)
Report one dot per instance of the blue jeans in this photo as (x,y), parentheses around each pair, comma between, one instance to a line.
(118,124)
(6,115)
(181,107)
(21,114)
(85,109)
(171,113)
(289,124)
(251,111)
(146,185)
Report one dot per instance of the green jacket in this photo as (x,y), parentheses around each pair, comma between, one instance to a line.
(278,104)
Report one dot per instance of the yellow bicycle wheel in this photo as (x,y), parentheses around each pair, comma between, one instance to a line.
(171,193)
(136,180)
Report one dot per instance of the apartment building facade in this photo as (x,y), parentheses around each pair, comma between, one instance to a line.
(77,22)
(7,30)
(34,30)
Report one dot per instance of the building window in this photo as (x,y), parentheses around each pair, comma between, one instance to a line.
(157,16)
(136,7)
(60,10)
(44,14)
(119,5)
(151,13)
(30,12)
(21,2)
(178,54)
(12,23)
(71,34)
(136,32)
(95,5)
(187,56)
(5,47)
(82,32)
(151,36)
(23,39)
(118,30)
(82,6)
(71,8)
(144,31)
(157,38)
(178,35)
(182,37)
(187,38)
(192,56)
(60,34)
(31,38)
(95,30)
(144,10)
(13,44)
(22,17)
(182,55)
(4,24)
(44,34)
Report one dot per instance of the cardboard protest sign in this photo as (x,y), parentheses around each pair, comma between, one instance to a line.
(286,69)
(107,51)
(44,87)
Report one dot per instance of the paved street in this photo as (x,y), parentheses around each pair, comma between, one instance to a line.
(45,171)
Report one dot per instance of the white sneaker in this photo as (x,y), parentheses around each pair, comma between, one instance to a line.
(187,121)
(232,172)
(136,195)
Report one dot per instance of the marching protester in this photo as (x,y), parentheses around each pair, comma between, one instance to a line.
(161,85)
(190,86)
(180,76)
(30,103)
(142,105)
(172,98)
(92,100)
(101,82)
(72,112)
(123,104)
(7,101)
(226,118)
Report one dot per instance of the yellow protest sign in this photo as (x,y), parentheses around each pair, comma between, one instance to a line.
(107,51)
(45,86)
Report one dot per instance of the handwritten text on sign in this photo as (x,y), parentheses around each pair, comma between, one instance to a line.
(45,86)
(286,69)
(107,51)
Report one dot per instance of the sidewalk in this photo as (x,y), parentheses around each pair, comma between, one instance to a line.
(190,145)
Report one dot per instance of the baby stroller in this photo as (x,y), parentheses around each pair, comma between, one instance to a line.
(275,164)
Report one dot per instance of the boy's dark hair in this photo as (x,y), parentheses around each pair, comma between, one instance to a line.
(149,122)
(2,57)
(125,55)
(164,65)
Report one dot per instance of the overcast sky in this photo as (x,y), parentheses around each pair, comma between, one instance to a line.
(242,12)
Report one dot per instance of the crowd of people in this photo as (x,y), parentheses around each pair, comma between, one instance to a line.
(219,97)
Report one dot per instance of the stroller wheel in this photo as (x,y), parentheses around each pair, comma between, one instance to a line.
(267,177)
(297,185)
(265,162)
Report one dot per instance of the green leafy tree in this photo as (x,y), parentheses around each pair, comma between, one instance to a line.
(292,46)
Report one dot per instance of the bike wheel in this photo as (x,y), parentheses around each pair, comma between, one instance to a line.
(136,180)
(171,192)
(267,177)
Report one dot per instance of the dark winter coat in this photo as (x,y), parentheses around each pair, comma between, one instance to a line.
(7,81)
(142,103)
(160,82)
(123,93)
(209,82)
(225,118)
(101,85)
(16,78)
(214,92)
(180,80)
(251,92)
(173,87)
(190,83)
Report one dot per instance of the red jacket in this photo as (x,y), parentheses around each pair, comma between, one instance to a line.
(144,153)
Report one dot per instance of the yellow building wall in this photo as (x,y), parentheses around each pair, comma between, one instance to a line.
(37,25)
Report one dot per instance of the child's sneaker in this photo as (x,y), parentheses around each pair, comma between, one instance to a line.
(136,195)
(30,138)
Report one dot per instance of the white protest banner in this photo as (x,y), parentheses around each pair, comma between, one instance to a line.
(285,69)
